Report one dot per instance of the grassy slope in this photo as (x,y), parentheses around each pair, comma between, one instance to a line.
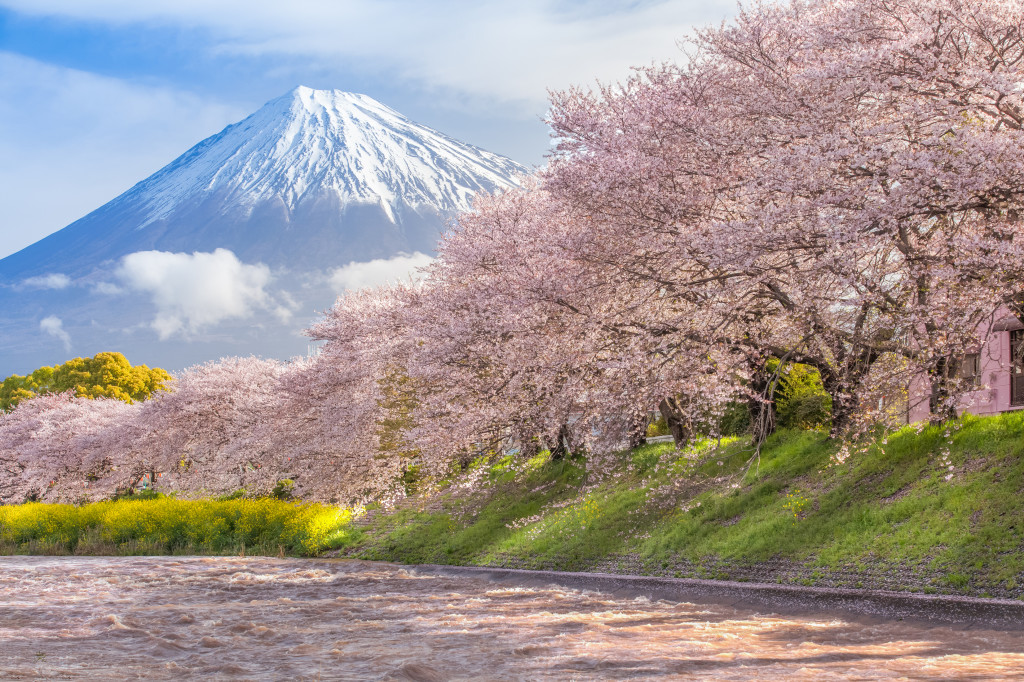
(887,517)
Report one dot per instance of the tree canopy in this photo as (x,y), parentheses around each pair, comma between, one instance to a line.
(106,375)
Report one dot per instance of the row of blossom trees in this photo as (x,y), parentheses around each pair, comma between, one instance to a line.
(831,182)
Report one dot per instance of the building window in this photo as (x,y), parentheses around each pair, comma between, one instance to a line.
(1016,368)
(970,369)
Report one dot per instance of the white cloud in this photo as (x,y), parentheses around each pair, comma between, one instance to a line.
(286,306)
(54,326)
(72,140)
(107,289)
(192,291)
(490,48)
(53,280)
(376,272)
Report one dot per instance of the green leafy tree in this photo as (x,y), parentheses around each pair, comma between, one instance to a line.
(107,375)
(800,398)
(801,401)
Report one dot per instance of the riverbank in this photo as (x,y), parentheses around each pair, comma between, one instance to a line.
(934,512)
(931,511)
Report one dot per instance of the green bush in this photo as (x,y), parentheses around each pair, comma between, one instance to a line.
(658,427)
(283,490)
(800,402)
(735,420)
(800,399)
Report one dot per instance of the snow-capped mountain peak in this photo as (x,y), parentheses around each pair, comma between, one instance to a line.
(308,142)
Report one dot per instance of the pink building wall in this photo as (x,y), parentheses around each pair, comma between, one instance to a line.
(995,370)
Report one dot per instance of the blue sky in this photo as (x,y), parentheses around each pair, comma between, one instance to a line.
(97,94)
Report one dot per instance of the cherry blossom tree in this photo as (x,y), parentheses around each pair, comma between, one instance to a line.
(202,434)
(854,190)
(59,448)
(358,392)
(542,345)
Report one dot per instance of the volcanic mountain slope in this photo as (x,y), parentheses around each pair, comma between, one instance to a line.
(314,180)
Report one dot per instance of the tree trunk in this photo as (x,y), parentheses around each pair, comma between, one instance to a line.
(941,407)
(844,386)
(563,444)
(529,447)
(678,421)
(761,407)
(843,405)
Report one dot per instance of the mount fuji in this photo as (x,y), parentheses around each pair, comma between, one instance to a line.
(231,247)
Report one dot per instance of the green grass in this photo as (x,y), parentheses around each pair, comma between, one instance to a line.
(886,517)
(167,526)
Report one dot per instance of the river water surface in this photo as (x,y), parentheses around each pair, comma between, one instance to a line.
(277,619)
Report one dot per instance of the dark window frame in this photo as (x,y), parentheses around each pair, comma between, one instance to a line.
(970,369)
(1017,368)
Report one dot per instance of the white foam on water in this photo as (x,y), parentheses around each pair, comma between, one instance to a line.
(257,618)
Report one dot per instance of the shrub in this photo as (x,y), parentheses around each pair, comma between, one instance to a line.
(735,420)
(107,375)
(283,490)
(801,400)
(658,427)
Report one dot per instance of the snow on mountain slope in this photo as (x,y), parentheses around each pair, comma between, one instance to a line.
(309,141)
(314,179)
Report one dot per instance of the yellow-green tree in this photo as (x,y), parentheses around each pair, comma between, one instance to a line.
(107,375)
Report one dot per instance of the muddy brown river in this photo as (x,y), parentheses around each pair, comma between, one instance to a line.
(290,619)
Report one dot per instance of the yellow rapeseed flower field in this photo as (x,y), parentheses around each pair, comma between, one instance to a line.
(170,526)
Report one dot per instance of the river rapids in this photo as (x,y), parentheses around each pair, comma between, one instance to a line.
(274,619)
